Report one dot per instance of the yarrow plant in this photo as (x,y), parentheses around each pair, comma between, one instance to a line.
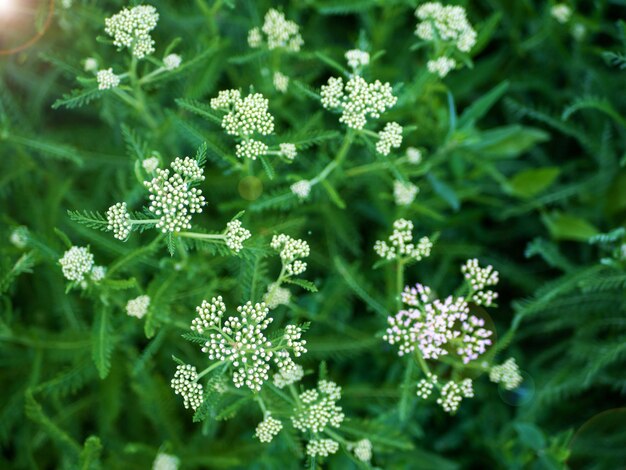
(276,33)
(429,329)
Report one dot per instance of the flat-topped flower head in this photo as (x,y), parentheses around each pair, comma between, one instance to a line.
(318,409)
(321,447)
(241,341)
(507,374)
(98,273)
(288,151)
(291,251)
(236,234)
(404,193)
(426,386)
(130,28)
(279,33)
(172,61)
(19,237)
(400,243)
(107,79)
(413,156)
(452,393)
(251,149)
(268,428)
(118,219)
(172,198)
(76,263)
(138,307)
(357,59)
(445,23)
(276,295)
(281,82)
(286,377)
(244,116)
(301,188)
(390,137)
(357,100)
(441,66)
(90,65)
(363,450)
(478,279)
(436,327)
(185,383)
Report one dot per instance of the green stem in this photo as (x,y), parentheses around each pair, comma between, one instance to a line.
(201,236)
(209,369)
(341,155)
(399,282)
(336,436)
(143,221)
(261,404)
(277,284)
(142,107)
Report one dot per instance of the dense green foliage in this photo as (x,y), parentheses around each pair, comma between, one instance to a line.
(523,167)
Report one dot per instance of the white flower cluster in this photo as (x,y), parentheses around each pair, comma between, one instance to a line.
(561,12)
(138,307)
(185,383)
(150,164)
(401,243)
(362,450)
(188,168)
(291,251)
(431,326)
(268,428)
(301,188)
(445,23)
(242,341)
(131,28)
(281,82)
(236,234)
(404,193)
(319,408)
(76,263)
(390,137)
(98,273)
(414,156)
(426,386)
(321,447)
(453,393)
(172,61)
(357,100)
(165,462)
(107,79)
(90,65)
(172,198)
(288,151)
(357,59)
(276,295)
(245,117)
(478,278)
(119,222)
(251,149)
(441,66)
(286,377)
(279,32)
(507,374)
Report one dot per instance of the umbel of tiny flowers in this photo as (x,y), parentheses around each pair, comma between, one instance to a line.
(362,450)
(107,79)
(452,393)
(138,307)
(286,377)
(19,237)
(291,251)
(268,428)
(507,374)
(281,82)
(413,156)
(478,279)
(441,66)
(185,383)
(301,188)
(357,100)
(76,263)
(131,27)
(172,61)
(400,244)
(279,296)
(241,341)
(279,32)
(404,193)
(390,137)
(357,59)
